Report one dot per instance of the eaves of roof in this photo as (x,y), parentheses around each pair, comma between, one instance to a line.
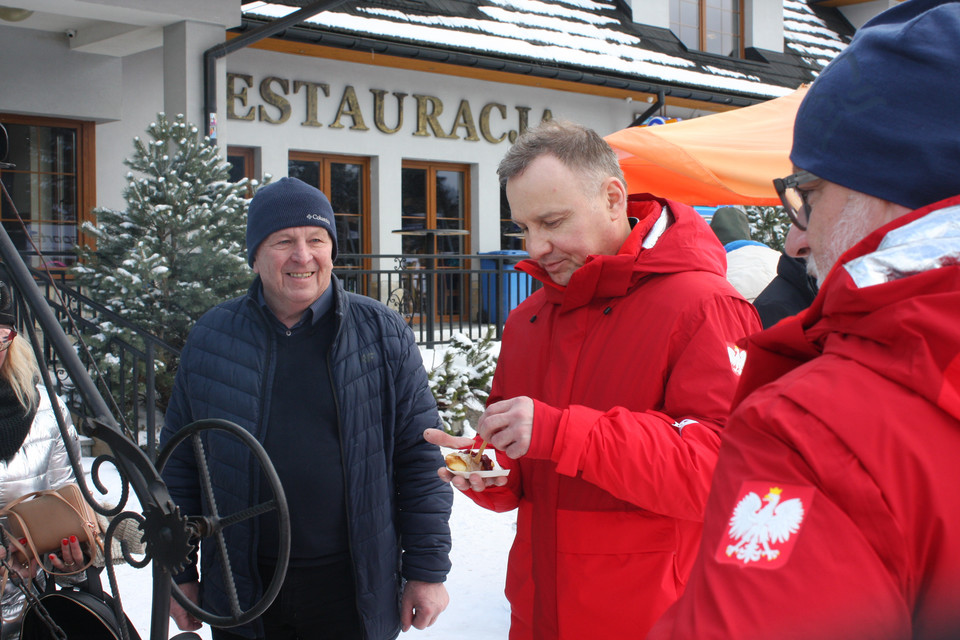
(559,39)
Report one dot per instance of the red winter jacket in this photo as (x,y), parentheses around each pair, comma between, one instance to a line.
(835,508)
(630,370)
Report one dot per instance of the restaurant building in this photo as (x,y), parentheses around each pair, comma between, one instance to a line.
(399,109)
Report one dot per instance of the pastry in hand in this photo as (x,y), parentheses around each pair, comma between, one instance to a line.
(468,461)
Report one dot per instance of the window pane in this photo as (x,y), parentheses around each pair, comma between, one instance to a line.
(690,14)
(346,188)
(307,171)
(449,209)
(238,167)
(510,238)
(413,208)
(43,187)
(714,19)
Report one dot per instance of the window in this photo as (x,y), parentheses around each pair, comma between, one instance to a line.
(713,26)
(511,238)
(435,202)
(51,185)
(241,161)
(346,182)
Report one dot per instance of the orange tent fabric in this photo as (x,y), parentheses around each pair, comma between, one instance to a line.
(724,158)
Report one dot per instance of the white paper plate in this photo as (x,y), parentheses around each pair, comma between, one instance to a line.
(493,473)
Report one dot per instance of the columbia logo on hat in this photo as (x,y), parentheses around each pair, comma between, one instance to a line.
(318,218)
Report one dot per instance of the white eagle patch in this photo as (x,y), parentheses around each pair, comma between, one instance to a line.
(738,358)
(757,528)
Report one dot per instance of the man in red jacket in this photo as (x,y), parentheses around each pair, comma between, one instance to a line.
(613,383)
(835,507)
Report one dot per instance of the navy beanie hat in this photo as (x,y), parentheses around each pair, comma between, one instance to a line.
(286,203)
(882,118)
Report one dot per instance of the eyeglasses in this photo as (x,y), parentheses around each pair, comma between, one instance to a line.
(7,334)
(795,200)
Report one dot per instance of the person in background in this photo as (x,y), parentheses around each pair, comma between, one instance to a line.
(611,389)
(834,511)
(793,290)
(751,265)
(33,455)
(333,386)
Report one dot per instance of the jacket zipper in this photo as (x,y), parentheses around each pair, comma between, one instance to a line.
(341,298)
(254,495)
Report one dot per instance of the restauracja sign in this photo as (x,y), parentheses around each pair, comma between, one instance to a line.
(277,93)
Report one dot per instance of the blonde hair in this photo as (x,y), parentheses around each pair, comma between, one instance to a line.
(20,370)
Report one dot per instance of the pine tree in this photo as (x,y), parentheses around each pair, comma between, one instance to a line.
(768,225)
(461,382)
(177,249)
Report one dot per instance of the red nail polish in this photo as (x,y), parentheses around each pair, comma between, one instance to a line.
(52,557)
(64,542)
(23,541)
(73,539)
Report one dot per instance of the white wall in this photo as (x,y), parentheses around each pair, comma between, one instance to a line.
(142,99)
(41,76)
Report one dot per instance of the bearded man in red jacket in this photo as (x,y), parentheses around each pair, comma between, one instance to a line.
(835,508)
(613,383)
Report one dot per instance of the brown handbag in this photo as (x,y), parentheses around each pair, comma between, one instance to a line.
(44,519)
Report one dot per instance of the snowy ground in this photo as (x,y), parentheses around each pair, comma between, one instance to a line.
(478,610)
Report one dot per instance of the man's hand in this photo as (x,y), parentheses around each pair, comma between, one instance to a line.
(474,482)
(422,603)
(185,621)
(508,426)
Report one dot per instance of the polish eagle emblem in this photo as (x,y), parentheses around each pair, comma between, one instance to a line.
(758,524)
(738,358)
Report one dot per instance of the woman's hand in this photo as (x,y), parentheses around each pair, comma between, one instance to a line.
(25,571)
(70,559)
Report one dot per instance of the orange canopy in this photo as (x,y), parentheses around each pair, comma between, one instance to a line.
(724,158)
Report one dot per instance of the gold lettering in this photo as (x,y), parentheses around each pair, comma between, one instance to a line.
(378,101)
(274,99)
(350,106)
(241,95)
(312,99)
(485,121)
(524,113)
(464,118)
(425,117)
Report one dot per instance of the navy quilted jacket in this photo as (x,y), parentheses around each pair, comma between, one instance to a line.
(397,506)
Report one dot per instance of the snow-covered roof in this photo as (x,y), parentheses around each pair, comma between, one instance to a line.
(591,41)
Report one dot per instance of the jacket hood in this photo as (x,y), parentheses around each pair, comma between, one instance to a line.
(890,304)
(686,244)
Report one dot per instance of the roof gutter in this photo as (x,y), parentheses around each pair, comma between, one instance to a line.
(419,52)
(211,55)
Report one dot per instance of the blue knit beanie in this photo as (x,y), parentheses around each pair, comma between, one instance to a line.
(286,203)
(882,118)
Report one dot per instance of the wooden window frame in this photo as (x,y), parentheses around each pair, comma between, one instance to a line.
(86,167)
(325,160)
(249,158)
(702,31)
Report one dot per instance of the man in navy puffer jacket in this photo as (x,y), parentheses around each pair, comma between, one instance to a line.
(332,384)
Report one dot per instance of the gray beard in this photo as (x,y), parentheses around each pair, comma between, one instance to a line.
(854,225)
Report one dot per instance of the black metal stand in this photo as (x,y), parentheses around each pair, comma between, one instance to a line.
(169,537)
